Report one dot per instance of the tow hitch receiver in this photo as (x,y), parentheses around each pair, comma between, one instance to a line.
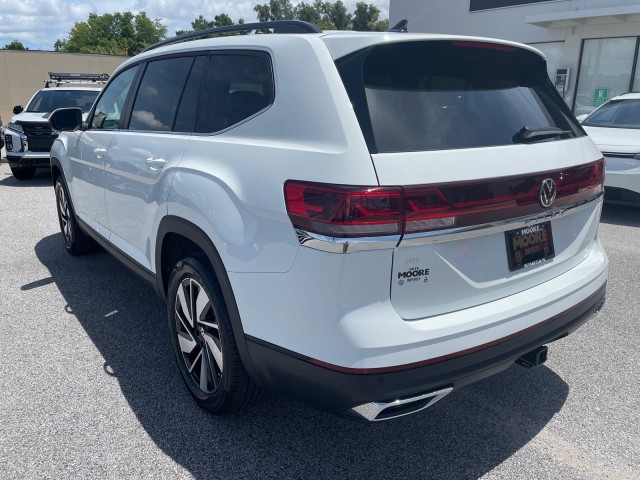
(533,358)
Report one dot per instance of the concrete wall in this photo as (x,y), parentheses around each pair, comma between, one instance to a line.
(24,72)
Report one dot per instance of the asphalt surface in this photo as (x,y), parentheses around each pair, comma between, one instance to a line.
(89,388)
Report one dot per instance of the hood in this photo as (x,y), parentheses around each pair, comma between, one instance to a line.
(615,140)
(31,117)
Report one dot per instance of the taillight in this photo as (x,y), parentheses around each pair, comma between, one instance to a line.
(484,45)
(343,211)
(349,211)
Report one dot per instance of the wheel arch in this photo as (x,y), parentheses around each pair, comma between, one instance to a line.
(178,238)
(56,169)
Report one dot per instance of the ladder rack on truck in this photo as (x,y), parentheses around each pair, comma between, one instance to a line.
(70,78)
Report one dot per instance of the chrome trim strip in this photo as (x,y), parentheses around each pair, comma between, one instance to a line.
(350,245)
(345,245)
(371,411)
(438,236)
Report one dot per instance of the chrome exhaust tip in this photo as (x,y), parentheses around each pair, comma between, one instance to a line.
(378,411)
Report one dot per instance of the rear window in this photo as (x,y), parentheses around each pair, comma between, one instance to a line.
(418,96)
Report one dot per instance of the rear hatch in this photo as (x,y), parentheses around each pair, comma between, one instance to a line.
(500,185)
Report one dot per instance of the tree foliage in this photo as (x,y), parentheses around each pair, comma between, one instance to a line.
(113,34)
(275,10)
(325,14)
(366,18)
(15,45)
(202,23)
(128,34)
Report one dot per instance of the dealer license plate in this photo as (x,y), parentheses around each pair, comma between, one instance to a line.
(529,246)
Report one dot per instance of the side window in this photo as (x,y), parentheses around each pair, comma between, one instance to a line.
(238,85)
(160,92)
(111,102)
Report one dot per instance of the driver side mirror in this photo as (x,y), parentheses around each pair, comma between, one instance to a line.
(18,109)
(66,119)
(581,118)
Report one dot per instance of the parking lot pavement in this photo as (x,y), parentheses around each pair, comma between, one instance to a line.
(89,389)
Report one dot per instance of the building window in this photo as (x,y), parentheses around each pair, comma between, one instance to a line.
(476,5)
(606,70)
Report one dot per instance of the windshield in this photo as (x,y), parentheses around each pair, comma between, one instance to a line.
(438,95)
(616,114)
(49,100)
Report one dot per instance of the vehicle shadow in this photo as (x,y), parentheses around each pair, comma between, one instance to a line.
(620,215)
(41,179)
(464,436)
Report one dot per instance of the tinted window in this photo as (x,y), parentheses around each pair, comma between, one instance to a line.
(416,96)
(159,94)
(616,114)
(50,100)
(237,86)
(110,104)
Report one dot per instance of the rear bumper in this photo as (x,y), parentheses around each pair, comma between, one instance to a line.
(338,390)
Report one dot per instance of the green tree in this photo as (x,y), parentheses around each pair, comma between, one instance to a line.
(202,23)
(224,20)
(114,34)
(367,18)
(339,16)
(15,45)
(309,13)
(59,45)
(275,10)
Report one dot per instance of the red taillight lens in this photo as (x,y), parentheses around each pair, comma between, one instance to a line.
(484,45)
(346,211)
(342,211)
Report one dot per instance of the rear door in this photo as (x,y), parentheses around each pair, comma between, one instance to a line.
(501,185)
(142,157)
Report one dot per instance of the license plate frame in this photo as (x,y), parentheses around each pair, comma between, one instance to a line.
(529,246)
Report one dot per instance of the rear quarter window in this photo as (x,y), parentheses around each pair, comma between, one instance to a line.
(436,95)
(238,85)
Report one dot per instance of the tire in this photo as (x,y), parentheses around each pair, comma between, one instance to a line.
(203,341)
(23,173)
(75,240)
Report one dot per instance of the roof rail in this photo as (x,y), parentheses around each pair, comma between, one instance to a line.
(60,78)
(278,26)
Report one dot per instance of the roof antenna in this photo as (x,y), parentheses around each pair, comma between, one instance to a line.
(400,27)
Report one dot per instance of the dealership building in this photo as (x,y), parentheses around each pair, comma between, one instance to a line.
(591,45)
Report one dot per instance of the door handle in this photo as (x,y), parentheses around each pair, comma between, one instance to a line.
(155,163)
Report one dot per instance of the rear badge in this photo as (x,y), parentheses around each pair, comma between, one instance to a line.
(529,246)
(548,192)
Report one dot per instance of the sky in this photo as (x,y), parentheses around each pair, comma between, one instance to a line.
(38,23)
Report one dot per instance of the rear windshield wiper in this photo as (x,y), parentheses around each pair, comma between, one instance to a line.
(530,134)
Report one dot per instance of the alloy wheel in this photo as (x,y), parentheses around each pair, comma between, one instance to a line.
(198,335)
(64,214)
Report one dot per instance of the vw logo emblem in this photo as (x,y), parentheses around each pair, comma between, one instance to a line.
(547,192)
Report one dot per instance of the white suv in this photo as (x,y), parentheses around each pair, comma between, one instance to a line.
(28,136)
(363,221)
